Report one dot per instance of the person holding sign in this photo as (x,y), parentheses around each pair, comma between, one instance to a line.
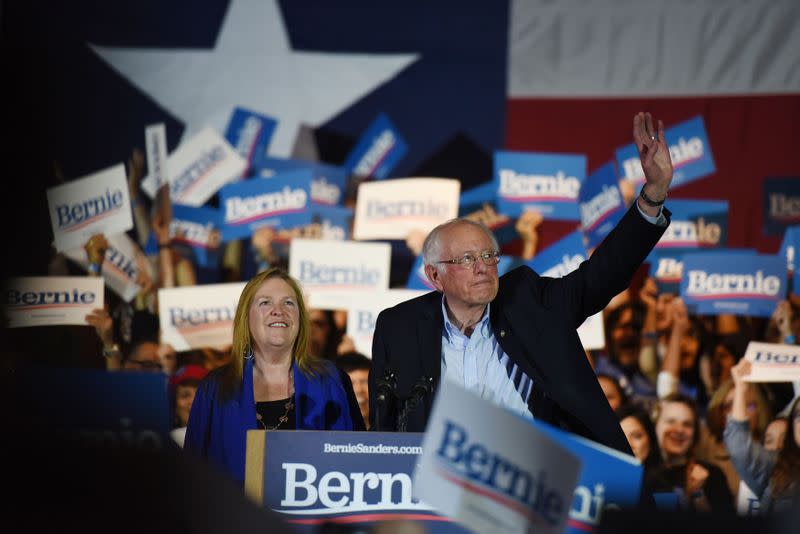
(513,339)
(272,383)
(774,476)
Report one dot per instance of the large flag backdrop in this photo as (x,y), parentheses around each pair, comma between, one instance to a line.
(458,79)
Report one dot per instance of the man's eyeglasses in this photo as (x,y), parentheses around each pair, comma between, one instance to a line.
(488,257)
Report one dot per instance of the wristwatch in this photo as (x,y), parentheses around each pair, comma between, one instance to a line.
(649,201)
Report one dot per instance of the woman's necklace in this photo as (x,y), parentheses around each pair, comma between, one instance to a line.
(289,405)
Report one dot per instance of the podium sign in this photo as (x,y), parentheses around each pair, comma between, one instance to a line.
(313,477)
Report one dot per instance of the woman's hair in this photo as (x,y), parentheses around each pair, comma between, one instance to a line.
(623,397)
(231,377)
(689,403)
(787,468)
(716,418)
(653,459)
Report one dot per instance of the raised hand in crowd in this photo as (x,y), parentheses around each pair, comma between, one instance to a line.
(782,319)
(527,227)
(135,170)
(648,356)
(103,324)
(174,270)
(95,248)
(669,376)
(414,241)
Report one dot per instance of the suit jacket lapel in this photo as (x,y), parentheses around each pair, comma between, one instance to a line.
(429,339)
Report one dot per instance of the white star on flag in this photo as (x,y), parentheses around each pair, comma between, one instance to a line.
(253,66)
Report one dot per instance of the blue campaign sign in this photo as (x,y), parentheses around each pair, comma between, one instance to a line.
(198,229)
(688,147)
(609,478)
(781,204)
(353,478)
(249,133)
(560,258)
(334,221)
(378,151)
(696,224)
(790,246)
(739,283)
(280,202)
(100,408)
(601,204)
(666,266)
(548,183)
(479,204)
(328,181)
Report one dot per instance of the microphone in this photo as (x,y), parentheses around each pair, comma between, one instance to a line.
(423,387)
(386,386)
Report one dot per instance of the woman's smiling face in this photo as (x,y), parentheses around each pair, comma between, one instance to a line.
(675,430)
(274,317)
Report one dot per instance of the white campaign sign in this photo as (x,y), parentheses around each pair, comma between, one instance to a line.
(391,209)
(198,316)
(120,267)
(198,168)
(155,139)
(773,362)
(95,204)
(363,310)
(591,332)
(332,271)
(52,300)
(491,470)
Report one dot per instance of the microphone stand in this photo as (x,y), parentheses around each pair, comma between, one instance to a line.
(423,387)
(386,388)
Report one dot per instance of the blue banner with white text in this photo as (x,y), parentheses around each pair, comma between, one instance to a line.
(327,183)
(781,204)
(378,151)
(279,202)
(743,283)
(199,229)
(548,183)
(560,258)
(601,204)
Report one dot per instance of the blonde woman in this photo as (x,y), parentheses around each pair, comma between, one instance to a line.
(272,383)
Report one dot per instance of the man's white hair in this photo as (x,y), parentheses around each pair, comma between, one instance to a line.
(432,247)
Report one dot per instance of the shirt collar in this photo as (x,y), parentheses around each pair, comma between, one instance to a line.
(450,330)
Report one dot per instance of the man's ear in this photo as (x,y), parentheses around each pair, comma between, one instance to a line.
(434,276)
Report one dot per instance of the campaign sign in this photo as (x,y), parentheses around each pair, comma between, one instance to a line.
(549,183)
(781,204)
(327,222)
(491,470)
(363,310)
(97,408)
(95,204)
(601,204)
(478,204)
(696,224)
(155,139)
(560,258)
(249,133)
(327,184)
(379,149)
(666,266)
(51,300)
(330,271)
(358,479)
(609,479)
(591,332)
(198,168)
(121,265)
(278,202)
(735,283)
(773,362)
(688,147)
(193,317)
(391,209)
(198,229)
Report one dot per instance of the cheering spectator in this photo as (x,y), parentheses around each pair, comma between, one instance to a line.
(183,387)
(357,367)
(774,476)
